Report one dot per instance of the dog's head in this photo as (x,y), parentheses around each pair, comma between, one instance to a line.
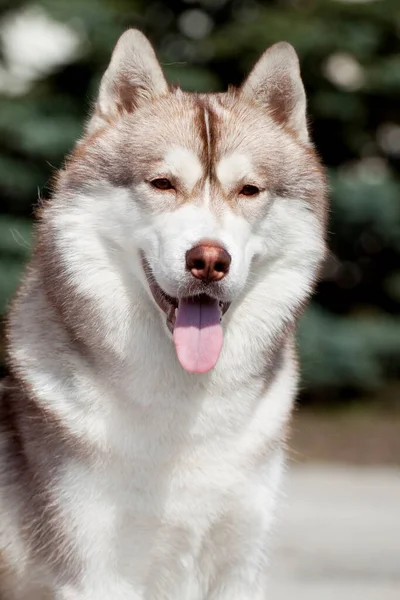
(203,197)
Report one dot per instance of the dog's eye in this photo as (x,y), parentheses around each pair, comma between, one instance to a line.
(249,190)
(162,184)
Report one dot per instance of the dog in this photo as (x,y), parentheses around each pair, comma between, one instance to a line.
(151,352)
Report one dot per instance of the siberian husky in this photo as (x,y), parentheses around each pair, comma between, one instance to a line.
(151,344)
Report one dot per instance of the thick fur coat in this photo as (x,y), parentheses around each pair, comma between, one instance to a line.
(129,470)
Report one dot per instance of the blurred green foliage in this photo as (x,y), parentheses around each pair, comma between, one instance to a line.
(349,51)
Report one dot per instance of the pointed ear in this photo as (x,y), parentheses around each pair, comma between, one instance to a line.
(275,82)
(133,77)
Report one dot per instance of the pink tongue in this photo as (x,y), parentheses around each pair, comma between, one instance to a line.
(198,334)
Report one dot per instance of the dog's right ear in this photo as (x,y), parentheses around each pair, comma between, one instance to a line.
(134,76)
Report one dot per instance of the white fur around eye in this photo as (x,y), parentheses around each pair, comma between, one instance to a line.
(233,168)
(184,164)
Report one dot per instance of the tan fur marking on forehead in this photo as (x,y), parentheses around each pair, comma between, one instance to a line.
(217,106)
(212,192)
(207,189)
(207,129)
(202,129)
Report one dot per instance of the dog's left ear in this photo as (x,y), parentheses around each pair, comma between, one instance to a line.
(134,76)
(275,82)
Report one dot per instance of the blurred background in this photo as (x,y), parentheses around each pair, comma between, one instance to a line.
(52,55)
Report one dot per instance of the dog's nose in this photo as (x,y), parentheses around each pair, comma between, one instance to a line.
(208,262)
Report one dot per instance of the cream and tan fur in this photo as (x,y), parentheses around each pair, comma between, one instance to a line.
(122,476)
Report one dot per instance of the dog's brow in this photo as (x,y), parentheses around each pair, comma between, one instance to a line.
(233,168)
(185,164)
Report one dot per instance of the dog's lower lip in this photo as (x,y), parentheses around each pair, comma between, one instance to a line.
(167,303)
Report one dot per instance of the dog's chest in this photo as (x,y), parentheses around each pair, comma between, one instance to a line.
(172,483)
(178,464)
(157,526)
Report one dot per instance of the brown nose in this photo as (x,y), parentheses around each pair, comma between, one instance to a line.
(208,262)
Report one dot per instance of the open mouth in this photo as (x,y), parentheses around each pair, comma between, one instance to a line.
(195,323)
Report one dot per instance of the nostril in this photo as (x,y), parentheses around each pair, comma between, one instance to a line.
(198,264)
(220,267)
